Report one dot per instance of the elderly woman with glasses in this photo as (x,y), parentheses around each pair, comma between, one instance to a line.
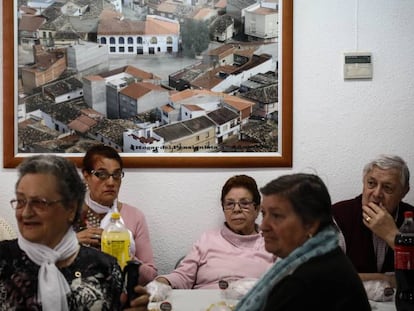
(236,250)
(103,172)
(45,268)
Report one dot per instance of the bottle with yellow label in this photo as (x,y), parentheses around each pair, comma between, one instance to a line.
(115,240)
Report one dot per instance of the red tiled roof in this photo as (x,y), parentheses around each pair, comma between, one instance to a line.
(193,107)
(139,89)
(31,23)
(167,7)
(188,93)
(238,102)
(27,10)
(167,108)
(264,11)
(94,78)
(204,13)
(112,23)
(138,73)
(222,4)
(82,124)
(158,26)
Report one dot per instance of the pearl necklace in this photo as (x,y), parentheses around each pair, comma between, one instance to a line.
(92,220)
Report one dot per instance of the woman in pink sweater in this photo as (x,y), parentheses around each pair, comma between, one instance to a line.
(235,250)
(103,173)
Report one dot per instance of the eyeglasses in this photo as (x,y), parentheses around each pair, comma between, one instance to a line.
(388,188)
(38,205)
(245,205)
(104,175)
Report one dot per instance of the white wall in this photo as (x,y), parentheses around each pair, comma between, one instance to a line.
(338,125)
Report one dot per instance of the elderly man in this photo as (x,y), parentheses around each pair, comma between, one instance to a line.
(370,221)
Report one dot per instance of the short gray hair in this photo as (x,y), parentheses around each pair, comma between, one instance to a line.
(386,162)
(69,183)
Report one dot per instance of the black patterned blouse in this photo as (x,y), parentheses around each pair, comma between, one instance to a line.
(95,280)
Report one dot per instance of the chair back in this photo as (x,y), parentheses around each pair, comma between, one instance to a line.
(178,262)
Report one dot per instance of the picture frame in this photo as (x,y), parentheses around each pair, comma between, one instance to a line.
(185,160)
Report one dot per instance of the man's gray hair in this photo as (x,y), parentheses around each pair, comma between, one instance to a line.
(386,162)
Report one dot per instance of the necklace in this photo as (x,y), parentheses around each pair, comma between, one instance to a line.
(92,220)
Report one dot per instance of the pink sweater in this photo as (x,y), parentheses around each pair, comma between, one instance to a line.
(135,221)
(220,253)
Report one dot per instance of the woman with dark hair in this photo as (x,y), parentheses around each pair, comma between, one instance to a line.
(313,273)
(45,268)
(235,250)
(103,172)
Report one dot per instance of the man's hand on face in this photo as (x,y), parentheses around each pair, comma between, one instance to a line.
(380,222)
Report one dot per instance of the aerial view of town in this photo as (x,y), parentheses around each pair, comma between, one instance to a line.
(147,76)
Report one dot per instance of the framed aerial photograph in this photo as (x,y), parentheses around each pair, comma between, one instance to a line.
(167,83)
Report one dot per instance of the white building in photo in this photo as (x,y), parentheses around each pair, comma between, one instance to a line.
(87,57)
(123,36)
(140,97)
(143,140)
(261,22)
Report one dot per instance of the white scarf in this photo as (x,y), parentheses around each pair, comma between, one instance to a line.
(102,209)
(52,285)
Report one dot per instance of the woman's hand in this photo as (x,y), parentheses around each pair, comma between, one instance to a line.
(140,303)
(90,237)
(159,289)
(389,278)
(163,280)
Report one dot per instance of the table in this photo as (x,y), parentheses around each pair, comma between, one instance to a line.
(383,306)
(190,300)
(202,299)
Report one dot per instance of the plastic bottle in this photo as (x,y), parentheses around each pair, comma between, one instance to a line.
(404,264)
(115,240)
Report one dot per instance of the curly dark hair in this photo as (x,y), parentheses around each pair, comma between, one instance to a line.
(97,151)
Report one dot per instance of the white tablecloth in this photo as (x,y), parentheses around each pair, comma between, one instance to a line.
(202,299)
(190,300)
(383,306)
